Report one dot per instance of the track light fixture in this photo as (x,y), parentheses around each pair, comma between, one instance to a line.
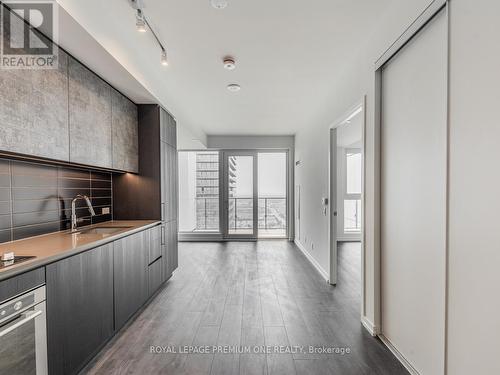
(164,60)
(140,22)
(142,25)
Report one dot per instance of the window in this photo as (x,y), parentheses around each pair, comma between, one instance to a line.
(272,213)
(199,191)
(353,171)
(352,190)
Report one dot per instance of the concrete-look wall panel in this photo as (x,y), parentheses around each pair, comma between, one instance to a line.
(34,111)
(89,117)
(125,133)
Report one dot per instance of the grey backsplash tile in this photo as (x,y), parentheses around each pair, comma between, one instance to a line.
(5,235)
(36,198)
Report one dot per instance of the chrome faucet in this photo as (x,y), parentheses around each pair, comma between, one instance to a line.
(74,220)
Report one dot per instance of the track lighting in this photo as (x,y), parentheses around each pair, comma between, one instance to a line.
(164,60)
(140,22)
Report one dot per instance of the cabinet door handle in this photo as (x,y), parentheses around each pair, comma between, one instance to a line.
(163,211)
(162,235)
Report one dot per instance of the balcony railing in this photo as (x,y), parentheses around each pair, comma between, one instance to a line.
(271,213)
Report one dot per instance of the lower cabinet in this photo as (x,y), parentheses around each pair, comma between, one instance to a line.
(155,275)
(169,249)
(93,294)
(130,275)
(79,308)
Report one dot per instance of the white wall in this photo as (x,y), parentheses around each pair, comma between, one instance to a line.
(474,235)
(187,140)
(474,238)
(311,144)
(250,142)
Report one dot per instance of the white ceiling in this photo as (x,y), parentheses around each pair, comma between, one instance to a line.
(289,54)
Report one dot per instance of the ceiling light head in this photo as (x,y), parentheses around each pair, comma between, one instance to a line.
(140,22)
(219,4)
(164,60)
(234,87)
(229,63)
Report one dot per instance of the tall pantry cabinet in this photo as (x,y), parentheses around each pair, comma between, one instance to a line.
(153,192)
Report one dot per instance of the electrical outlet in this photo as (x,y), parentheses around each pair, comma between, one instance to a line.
(105,210)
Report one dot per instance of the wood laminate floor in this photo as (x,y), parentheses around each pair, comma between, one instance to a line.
(254,295)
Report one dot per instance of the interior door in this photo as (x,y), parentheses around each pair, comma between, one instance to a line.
(240,195)
(413,198)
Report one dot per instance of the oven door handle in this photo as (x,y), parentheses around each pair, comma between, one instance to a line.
(22,319)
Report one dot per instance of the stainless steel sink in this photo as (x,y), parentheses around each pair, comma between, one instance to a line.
(101,230)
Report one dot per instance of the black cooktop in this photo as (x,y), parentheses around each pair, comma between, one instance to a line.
(16,260)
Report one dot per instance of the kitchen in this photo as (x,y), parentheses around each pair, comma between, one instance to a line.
(88,213)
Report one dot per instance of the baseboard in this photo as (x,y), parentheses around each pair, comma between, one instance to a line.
(398,355)
(199,237)
(313,261)
(370,327)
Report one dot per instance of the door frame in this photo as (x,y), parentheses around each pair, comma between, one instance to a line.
(332,196)
(225,195)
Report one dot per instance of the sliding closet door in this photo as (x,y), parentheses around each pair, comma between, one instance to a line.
(413,201)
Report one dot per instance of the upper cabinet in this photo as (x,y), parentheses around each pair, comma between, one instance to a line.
(125,133)
(168,128)
(89,117)
(34,111)
(68,114)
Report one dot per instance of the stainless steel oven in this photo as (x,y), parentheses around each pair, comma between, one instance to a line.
(23,334)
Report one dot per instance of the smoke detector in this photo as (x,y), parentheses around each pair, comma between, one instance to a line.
(234,87)
(229,63)
(219,4)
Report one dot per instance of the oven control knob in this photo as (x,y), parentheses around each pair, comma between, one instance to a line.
(3,312)
(18,305)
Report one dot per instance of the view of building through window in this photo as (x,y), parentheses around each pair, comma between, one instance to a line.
(199,193)
(353,186)
(272,194)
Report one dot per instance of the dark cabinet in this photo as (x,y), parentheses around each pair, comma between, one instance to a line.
(169,183)
(155,240)
(168,129)
(21,283)
(153,193)
(169,249)
(79,308)
(155,275)
(130,275)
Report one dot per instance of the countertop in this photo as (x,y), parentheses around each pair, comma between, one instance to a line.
(51,247)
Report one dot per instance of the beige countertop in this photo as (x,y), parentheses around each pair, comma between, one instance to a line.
(50,247)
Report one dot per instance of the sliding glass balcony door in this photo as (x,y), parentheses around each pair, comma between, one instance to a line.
(272,176)
(233,194)
(240,195)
